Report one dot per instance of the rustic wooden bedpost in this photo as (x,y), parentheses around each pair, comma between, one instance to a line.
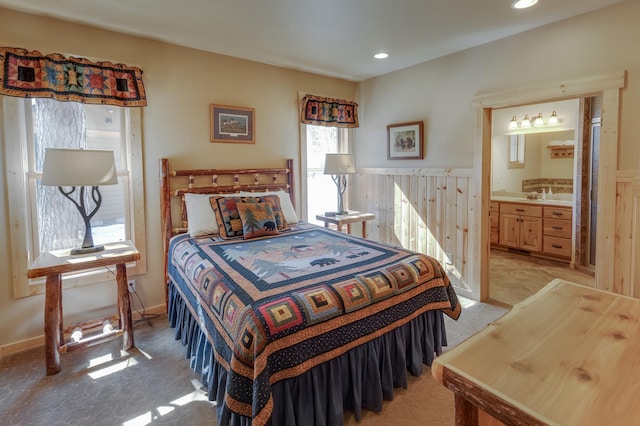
(165,222)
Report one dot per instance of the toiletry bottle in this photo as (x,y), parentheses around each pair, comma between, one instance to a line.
(550,192)
(544,194)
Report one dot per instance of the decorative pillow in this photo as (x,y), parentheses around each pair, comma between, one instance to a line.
(285,203)
(278,213)
(257,220)
(228,218)
(201,220)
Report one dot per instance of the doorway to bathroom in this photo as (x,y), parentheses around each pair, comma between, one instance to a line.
(544,168)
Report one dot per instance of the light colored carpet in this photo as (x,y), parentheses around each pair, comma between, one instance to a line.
(153,384)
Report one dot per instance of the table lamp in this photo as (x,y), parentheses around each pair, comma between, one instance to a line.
(338,166)
(80,168)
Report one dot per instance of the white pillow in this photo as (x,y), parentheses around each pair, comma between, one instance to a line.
(285,203)
(200,216)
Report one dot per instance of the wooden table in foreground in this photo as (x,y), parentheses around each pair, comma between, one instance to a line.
(569,355)
(347,219)
(52,265)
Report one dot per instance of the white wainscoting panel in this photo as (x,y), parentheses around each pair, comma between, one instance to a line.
(425,210)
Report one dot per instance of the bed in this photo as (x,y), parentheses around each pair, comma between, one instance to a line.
(299,323)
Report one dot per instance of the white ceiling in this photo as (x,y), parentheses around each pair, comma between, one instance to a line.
(330,37)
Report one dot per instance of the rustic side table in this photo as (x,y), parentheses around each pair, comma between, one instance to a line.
(52,265)
(567,355)
(347,219)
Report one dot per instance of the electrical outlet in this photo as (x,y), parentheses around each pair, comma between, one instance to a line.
(132,285)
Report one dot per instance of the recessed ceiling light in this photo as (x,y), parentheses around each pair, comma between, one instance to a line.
(381,55)
(523,4)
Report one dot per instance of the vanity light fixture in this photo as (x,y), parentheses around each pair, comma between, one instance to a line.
(532,124)
(537,122)
(523,4)
(381,55)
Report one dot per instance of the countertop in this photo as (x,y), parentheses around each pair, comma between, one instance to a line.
(539,201)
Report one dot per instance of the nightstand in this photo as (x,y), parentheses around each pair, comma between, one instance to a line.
(347,219)
(52,265)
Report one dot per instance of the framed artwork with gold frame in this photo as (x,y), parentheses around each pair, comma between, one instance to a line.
(405,141)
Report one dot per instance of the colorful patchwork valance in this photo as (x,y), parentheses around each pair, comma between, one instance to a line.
(30,74)
(329,112)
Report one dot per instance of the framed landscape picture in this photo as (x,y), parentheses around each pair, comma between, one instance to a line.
(231,124)
(405,141)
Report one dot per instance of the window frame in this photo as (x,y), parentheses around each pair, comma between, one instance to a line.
(21,187)
(344,146)
(516,151)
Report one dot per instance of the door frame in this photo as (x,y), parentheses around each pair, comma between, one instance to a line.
(608,85)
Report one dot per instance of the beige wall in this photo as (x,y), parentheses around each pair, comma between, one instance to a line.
(180,84)
(440,92)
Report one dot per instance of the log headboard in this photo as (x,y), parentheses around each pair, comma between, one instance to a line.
(175,183)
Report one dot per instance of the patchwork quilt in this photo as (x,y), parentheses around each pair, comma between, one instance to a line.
(276,306)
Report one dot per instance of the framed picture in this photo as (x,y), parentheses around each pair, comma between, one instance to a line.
(404,141)
(232,124)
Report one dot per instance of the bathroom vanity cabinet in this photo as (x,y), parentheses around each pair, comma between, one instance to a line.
(542,228)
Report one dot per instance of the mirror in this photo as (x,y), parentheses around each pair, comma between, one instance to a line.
(539,167)
(529,157)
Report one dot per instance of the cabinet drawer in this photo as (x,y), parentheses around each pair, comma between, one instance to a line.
(557,228)
(521,209)
(557,246)
(558,212)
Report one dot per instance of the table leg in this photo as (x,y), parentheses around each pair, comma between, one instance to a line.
(466,412)
(124,307)
(53,337)
(348,228)
(364,229)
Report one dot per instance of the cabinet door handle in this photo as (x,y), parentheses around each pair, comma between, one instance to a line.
(520,210)
(558,246)
(557,228)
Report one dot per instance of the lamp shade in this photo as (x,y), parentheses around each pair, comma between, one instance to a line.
(338,164)
(78,167)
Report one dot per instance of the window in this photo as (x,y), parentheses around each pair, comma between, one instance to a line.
(516,152)
(320,191)
(45,220)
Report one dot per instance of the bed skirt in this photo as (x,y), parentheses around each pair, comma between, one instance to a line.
(359,379)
